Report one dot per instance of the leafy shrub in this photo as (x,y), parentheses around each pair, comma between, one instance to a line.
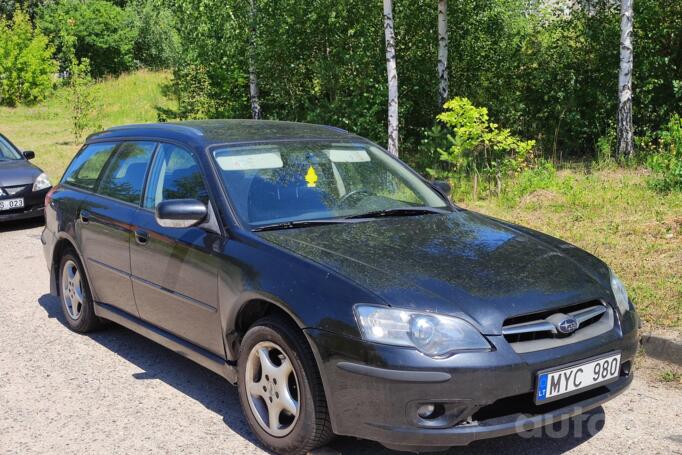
(102,32)
(481,149)
(26,65)
(666,164)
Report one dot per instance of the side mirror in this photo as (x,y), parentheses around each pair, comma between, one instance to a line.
(443,187)
(29,155)
(181,213)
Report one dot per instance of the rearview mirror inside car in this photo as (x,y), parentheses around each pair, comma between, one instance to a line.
(181,213)
(443,187)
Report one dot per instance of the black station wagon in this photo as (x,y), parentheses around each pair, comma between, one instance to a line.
(341,291)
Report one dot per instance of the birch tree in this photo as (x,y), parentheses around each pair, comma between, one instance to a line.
(392,71)
(625,133)
(443,82)
(254,94)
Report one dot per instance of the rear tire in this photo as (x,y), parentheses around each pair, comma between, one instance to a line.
(74,294)
(274,351)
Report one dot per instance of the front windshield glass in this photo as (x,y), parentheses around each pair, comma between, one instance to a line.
(301,181)
(7,152)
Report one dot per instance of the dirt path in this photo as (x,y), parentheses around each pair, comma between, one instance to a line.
(116,392)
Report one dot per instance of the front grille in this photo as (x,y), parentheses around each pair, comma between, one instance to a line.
(536,331)
(12,190)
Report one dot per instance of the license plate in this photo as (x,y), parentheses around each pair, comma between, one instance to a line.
(564,381)
(12,204)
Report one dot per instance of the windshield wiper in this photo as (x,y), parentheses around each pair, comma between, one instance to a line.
(401,211)
(298,224)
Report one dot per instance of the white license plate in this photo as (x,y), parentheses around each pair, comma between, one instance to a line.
(563,381)
(12,204)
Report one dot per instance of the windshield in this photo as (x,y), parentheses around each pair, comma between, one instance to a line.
(299,181)
(7,152)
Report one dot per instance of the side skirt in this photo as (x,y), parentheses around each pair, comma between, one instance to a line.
(170,341)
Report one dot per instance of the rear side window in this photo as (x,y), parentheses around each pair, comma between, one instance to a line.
(175,175)
(124,177)
(85,169)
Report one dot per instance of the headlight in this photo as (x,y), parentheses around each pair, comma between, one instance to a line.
(619,293)
(432,334)
(41,182)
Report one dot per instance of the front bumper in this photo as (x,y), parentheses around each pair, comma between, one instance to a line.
(34,206)
(374,391)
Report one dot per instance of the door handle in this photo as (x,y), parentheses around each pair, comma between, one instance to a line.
(84,216)
(141,237)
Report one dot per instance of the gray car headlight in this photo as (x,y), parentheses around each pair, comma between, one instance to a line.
(41,182)
(434,335)
(619,293)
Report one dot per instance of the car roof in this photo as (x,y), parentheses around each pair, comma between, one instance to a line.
(211,132)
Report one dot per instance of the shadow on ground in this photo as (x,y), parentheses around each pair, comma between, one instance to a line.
(21,225)
(213,392)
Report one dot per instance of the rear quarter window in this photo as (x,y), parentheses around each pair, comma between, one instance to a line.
(86,167)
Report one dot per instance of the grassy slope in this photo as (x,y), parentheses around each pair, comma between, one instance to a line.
(46,128)
(611,214)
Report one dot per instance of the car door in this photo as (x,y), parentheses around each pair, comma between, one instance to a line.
(175,270)
(105,222)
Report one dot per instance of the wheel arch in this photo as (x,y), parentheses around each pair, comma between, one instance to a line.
(64,243)
(251,310)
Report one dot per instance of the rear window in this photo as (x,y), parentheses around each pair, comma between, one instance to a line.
(85,169)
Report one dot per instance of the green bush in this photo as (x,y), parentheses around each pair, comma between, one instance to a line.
(156,43)
(101,31)
(481,149)
(666,164)
(26,65)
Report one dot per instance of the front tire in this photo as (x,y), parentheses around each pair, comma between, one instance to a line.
(280,388)
(74,294)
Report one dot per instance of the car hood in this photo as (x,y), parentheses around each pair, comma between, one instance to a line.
(17,172)
(462,264)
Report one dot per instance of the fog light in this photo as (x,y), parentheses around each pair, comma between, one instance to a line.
(426,411)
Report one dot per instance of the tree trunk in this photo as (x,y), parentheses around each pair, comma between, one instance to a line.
(625,133)
(254,93)
(443,86)
(391,68)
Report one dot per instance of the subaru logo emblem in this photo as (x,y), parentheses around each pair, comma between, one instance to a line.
(567,326)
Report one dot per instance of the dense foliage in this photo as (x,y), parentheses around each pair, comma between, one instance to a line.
(546,70)
(549,74)
(26,65)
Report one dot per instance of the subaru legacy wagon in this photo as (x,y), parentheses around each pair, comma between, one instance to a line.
(340,291)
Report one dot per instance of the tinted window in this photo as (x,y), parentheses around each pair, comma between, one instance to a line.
(175,175)
(85,169)
(124,176)
(7,152)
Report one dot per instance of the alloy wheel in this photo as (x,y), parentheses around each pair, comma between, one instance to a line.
(72,289)
(272,389)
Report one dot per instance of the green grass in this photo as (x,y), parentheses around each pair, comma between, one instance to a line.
(615,216)
(46,128)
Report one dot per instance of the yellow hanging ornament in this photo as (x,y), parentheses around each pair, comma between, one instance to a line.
(311,177)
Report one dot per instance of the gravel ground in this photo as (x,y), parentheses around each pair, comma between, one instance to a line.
(116,392)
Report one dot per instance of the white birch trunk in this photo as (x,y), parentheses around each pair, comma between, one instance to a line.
(443,82)
(254,94)
(391,68)
(625,128)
